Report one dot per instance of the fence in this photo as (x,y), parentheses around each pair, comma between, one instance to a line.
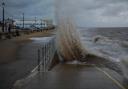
(45,55)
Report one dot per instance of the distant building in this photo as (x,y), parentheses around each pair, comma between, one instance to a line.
(31,24)
(48,23)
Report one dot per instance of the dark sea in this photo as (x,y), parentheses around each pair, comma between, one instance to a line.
(110,43)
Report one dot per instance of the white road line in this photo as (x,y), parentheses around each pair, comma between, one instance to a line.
(34,69)
(110,77)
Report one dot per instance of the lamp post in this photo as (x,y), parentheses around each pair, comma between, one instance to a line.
(23,20)
(3,5)
(35,21)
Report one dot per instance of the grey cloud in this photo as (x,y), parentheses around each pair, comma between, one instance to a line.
(21,3)
(97,12)
(85,12)
(31,8)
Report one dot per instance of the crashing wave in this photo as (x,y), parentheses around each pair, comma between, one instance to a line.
(69,45)
(99,38)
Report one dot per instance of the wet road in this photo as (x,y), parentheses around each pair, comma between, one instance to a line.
(68,76)
(26,60)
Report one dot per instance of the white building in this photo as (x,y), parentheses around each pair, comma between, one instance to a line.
(48,23)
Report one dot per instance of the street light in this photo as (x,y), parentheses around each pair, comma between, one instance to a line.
(23,20)
(35,21)
(3,5)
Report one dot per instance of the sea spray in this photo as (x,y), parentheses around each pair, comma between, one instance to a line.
(69,46)
(68,41)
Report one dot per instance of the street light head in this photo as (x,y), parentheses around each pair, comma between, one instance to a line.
(3,4)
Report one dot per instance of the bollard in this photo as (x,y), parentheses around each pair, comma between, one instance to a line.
(38,60)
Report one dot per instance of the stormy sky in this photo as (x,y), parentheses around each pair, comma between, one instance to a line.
(31,9)
(87,13)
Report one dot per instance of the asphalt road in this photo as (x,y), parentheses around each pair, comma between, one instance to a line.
(26,60)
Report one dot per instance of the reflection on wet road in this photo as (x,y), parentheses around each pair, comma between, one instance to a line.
(26,60)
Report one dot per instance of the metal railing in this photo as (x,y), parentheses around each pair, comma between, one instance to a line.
(45,55)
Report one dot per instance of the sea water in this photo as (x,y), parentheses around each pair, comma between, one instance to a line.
(112,43)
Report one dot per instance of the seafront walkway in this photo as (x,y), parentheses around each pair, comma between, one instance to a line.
(18,56)
(20,32)
(72,76)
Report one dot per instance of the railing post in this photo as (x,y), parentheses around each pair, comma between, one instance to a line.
(49,52)
(38,60)
(46,53)
(44,56)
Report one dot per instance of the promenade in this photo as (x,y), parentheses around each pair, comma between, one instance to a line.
(18,56)
(72,76)
(62,76)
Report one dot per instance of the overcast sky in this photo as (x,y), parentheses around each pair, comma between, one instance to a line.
(88,13)
(31,8)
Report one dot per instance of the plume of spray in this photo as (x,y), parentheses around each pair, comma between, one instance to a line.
(69,46)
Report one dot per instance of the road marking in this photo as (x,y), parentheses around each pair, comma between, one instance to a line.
(110,77)
(34,69)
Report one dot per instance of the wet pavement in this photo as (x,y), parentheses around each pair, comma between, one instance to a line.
(26,61)
(68,76)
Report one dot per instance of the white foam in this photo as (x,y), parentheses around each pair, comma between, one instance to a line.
(44,39)
(76,62)
(104,47)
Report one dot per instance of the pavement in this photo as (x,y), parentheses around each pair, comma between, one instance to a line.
(70,76)
(18,57)
(20,68)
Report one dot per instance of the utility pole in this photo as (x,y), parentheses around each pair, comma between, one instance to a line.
(23,20)
(3,5)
